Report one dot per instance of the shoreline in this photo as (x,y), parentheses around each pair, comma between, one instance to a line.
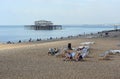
(4,46)
(32,38)
(108,33)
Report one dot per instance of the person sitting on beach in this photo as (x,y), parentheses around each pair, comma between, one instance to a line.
(78,57)
(53,51)
(9,42)
(82,53)
(56,50)
(67,56)
(19,41)
(50,38)
(70,55)
(30,40)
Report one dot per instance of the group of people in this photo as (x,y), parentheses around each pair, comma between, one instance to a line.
(20,41)
(69,53)
(77,54)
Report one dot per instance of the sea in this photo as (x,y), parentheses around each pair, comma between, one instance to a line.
(14,33)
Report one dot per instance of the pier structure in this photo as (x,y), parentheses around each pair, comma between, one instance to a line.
(44,25)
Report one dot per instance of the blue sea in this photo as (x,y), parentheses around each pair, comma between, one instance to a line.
(15,33)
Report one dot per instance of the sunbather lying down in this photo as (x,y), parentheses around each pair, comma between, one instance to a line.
(70,55)
(76,56)
(73,56)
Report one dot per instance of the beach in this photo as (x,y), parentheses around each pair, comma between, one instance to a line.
(31,61)
(60,39)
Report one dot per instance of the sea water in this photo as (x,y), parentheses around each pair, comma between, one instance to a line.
(15,33)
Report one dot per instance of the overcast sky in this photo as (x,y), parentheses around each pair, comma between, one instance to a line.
(22,12)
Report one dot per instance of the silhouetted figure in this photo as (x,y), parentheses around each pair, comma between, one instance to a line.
(69,46)
(9,42)
(61,38)
(19,41)
(50,38)
(30,40)
(106,34)
(38,40)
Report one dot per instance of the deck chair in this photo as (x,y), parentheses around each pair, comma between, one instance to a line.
(61,52)
(114,51)
(85,51)
(52,51)
(104,55)
(87,43)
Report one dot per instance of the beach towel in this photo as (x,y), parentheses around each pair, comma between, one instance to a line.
(87,43)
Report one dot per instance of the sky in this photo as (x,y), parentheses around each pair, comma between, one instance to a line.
(64,12)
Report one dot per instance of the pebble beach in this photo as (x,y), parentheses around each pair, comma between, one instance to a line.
(31,61)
